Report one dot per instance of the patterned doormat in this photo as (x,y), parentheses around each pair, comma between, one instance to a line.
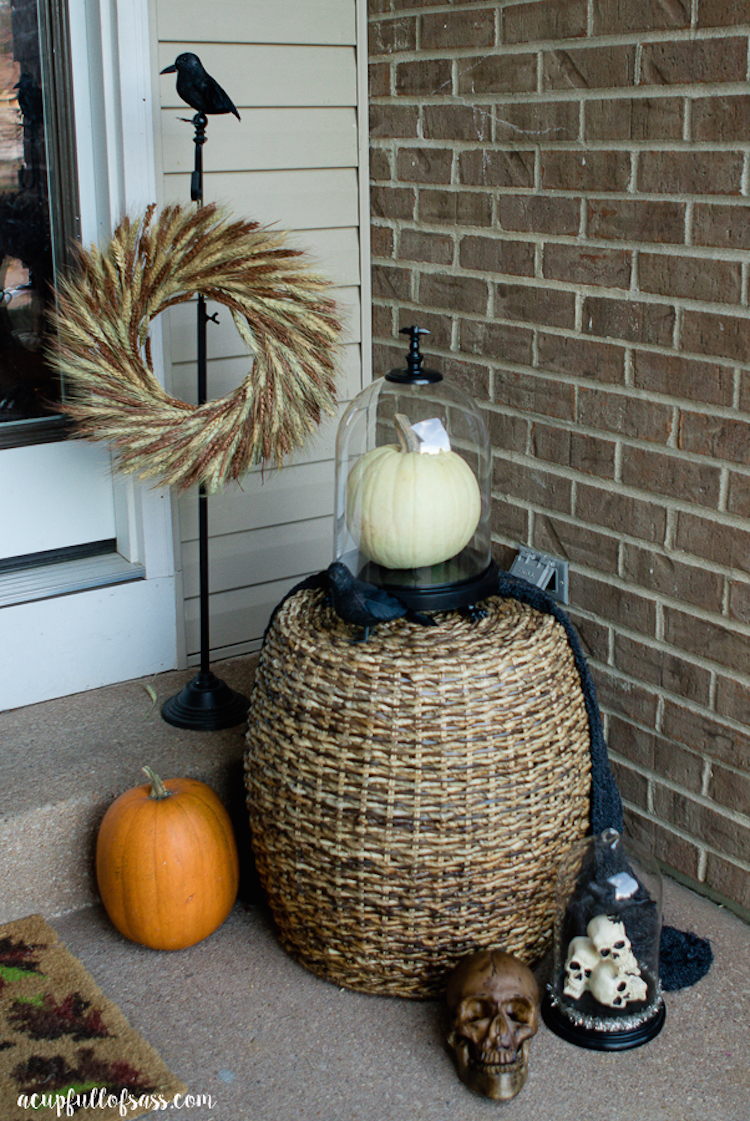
(65,1049)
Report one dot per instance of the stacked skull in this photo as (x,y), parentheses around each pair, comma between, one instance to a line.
(603,963)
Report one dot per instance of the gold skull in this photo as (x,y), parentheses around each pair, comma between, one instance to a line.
(492,1000)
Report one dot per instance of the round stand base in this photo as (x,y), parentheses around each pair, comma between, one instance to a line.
(205,704)
(447,597)
(594,1040)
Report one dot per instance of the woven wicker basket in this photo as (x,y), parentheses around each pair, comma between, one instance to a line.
(409,797)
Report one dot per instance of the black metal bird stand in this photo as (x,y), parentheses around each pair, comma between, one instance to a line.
(205,704)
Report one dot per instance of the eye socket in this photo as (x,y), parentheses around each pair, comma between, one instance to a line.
(473,1010)
(519,1012)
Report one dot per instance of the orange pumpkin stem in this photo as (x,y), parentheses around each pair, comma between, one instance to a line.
(158,789)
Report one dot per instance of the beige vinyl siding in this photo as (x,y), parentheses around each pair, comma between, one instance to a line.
(293,161)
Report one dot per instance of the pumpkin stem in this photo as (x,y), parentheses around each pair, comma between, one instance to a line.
(407,437)
(158,789)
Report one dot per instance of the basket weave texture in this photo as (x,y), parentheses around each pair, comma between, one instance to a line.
(409,797)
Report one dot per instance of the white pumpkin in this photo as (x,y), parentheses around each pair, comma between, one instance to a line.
(407,509)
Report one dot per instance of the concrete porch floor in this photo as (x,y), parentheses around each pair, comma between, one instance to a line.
(243,1024)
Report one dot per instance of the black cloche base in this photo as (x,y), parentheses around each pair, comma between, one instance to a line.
(594,1040)
(205,704)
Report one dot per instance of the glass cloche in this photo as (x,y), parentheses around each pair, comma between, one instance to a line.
(604,992)
(413,463)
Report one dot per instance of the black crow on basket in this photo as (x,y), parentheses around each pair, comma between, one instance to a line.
(364,605)
(197,88)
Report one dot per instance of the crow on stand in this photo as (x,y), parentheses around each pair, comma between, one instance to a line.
(197,88)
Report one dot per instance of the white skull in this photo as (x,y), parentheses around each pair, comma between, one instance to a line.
(583,957)
(611,987)
(612,943)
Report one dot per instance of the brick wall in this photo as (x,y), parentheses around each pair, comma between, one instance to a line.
(561,195)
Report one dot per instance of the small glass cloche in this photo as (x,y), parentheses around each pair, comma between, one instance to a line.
(604,992)
(413,482)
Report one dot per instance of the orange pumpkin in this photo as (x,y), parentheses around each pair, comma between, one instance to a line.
(166,863)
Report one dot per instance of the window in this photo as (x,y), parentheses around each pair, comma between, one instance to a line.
(37,210)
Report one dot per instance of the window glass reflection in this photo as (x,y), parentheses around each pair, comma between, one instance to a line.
(28,389)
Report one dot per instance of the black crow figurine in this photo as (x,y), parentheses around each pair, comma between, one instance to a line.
(365,605)
(197,88)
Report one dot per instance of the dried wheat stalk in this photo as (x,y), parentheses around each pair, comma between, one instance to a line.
(281,310)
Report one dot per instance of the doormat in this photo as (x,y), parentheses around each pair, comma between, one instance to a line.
(65,1049)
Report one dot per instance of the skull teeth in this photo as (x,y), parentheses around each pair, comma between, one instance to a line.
(493,1060)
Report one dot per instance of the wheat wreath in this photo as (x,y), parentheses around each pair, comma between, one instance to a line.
(281,310)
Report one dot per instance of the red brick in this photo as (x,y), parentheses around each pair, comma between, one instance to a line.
(671,475)
(494,168)
(690,277)
(424,165)
(590,455)
(724,336)
(541,489)
(642,220)
(631,320)
(624,414)
(702,732)
(691,173)
(544,19)
(414,245)
(578,264)
(509,434)
(730,881)
(582,358)
(624,515)
(738,496)
(544,306)
(387,121)
(382,321)
(716,436)
(531,394)
(500,342)
(580,545)
(497,255)
(465,28)
(732,702)
(673,851)
(592,171)
(381,241)
(392,202)
(717,830)
(387,36)
(588,67)
(461,208)
(543,121)
(739,607)
(715,541)
(634,119)
(613,17)
(666,576)
(379,79)
(391,283)
(723,13)
(664,670)
(685,378)
(632,785)
(472,377)
(497,73)
(726,227)
(455,293)
(509,519)
(457,122)
(694,61)
(730,789)
(380,165)
(538,214)
(424,77)
(725,118)
(617,694)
